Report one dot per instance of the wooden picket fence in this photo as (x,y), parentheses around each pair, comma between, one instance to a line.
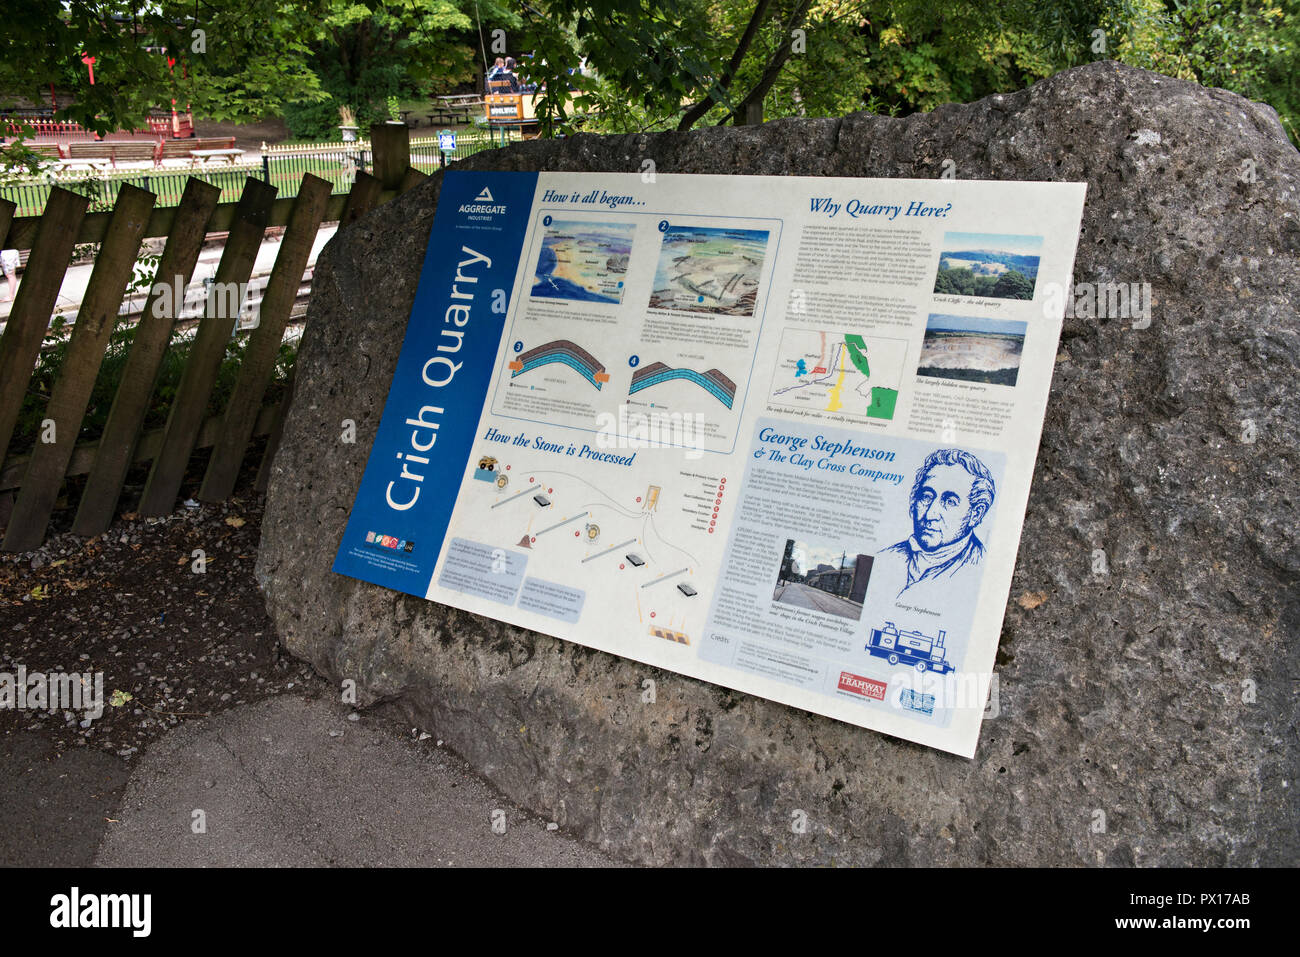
(30,483)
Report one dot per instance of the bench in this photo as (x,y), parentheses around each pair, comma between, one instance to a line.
(455,108)
(46,150)
(127,151)
(173,150)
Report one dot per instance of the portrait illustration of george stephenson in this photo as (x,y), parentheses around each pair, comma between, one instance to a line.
(951,495)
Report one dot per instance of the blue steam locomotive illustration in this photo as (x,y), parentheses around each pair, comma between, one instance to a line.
(910,648)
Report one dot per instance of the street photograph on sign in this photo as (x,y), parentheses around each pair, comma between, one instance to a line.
(774,433)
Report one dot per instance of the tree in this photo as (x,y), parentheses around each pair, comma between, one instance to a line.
(227,59)
(677,63)
(674,64)
(230,59)
(1013,284)
(1249,48)
(647,64)
(660,63)
(366,52)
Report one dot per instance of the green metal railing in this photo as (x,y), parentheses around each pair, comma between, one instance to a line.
(427,157)
(282,166)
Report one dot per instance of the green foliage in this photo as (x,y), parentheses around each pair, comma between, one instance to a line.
(666,63)
(662,64)
(1012,284)
(236,59)
(1249,48)
(651,64)
(230,59)
(54,354)
(366,55)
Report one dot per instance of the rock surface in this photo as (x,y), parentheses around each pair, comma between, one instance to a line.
(1148,714)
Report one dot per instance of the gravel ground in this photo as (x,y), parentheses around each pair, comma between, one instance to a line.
(173,642)
(173,645)
(177,646)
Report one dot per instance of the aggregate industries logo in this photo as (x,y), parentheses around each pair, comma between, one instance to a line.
(866,687)
(483,205)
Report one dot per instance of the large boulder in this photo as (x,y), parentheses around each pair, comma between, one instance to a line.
(1152,642)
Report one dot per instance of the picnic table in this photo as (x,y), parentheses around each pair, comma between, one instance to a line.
(82,162)
(454,108)
(204,155)
(461,99)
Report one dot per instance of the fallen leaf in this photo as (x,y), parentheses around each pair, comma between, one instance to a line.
(235,521)
(57,563)
(1031,600)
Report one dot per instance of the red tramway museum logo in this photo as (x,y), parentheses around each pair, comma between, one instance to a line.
(867,687)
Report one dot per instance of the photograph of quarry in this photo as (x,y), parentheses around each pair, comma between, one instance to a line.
(976,350)
(999,267)
(645,437)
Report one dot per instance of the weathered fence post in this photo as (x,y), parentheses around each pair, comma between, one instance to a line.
(411,179)
(362,198)
(258,365)
(71,393)
(207,351)
(390,144)
(30,318)
(7,210)
(36,479)
(152,336)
